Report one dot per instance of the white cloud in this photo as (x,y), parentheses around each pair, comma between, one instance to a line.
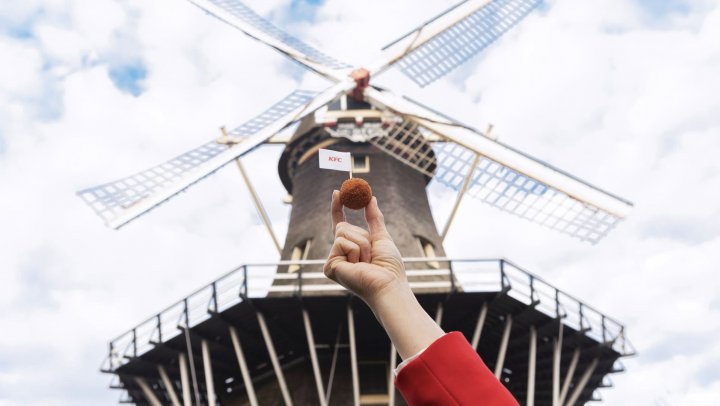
(618,95)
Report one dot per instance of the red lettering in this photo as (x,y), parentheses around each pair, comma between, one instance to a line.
(334,159)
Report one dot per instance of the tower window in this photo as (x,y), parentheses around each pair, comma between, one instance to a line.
(427,250)
(360,163)
(299,252)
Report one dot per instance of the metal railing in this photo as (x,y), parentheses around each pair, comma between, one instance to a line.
(257,280)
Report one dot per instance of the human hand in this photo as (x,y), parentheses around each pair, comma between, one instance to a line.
(369,264)
(365,262)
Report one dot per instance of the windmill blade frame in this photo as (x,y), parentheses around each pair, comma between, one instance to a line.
(505,177)
(494,172)
(121,201)
(242,17)
(456,35)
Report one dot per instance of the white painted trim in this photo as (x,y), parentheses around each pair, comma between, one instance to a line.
(335,287)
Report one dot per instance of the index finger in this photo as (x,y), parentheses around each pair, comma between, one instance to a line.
(376,221)
(336,210)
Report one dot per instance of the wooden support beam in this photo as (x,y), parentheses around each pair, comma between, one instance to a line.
(503,346)
(461,193)
(582,383)
(313,357)
(391,376)
(353,356)
(274,359)
(479,325)
(168,386)
(333,364)
(147,392)
(207,365)
(191,357)
(557,351)
(569,375)
(439,314)
(259,206)
(247,381)
(532,358)
(184,379)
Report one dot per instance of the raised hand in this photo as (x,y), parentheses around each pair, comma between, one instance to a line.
(369,264)
(366,262)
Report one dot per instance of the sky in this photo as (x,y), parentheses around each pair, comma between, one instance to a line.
(622,93)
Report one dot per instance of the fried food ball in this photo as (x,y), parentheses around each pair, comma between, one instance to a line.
(355,193)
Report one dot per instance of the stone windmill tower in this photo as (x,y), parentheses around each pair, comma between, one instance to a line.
(350,125)
(301,339)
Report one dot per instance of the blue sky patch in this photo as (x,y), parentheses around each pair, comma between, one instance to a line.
(295,3)
(304,10)
(663,8)
(19,26)
(129,78)
(21,32)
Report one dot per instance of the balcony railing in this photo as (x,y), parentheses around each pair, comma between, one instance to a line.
(256,280)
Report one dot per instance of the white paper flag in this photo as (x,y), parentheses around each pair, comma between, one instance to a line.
(339,161)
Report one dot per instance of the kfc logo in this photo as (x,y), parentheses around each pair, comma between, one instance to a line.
(339,161)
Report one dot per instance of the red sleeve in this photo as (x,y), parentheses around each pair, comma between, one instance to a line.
(450,372)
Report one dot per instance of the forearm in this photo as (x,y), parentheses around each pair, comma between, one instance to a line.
(407,324)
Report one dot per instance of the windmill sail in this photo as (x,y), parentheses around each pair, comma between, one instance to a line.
(242,17)
(442,44)
(460,156)
(502,176)
(125,199)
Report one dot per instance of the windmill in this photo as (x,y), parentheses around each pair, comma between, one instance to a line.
(529,331)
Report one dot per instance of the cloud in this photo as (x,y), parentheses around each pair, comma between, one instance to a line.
(624,96)
(628,106)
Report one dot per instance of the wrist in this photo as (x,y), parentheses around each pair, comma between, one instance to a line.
(391,296)
(410,328)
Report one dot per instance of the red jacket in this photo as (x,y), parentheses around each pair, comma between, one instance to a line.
(450,372)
